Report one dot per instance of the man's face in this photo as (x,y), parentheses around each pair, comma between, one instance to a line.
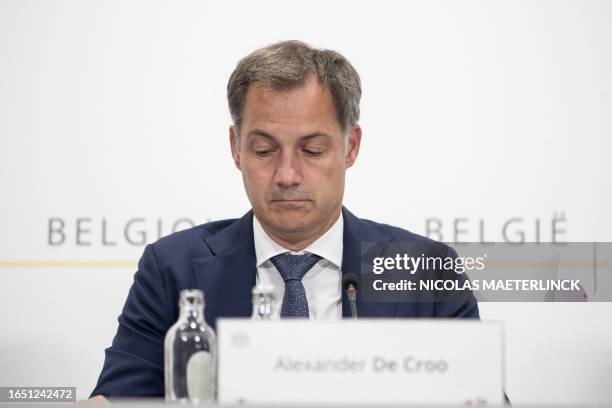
(293,160)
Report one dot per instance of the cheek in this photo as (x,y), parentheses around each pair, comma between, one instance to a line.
(329,179)
(335,168)
(256,178)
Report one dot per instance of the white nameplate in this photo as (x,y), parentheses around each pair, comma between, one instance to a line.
(377,361)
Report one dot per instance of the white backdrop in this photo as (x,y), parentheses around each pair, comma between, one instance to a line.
(473,112)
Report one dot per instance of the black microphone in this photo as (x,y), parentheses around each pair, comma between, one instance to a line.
(350,284)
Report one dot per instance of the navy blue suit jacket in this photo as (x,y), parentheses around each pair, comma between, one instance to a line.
(219,258)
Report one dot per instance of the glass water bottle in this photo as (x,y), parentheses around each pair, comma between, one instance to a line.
(265,304)
(190,353)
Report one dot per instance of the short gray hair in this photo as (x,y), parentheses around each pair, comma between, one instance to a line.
(286,65)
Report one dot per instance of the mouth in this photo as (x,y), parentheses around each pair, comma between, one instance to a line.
(290,203)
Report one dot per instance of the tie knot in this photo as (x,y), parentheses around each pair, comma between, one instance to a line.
(294,267)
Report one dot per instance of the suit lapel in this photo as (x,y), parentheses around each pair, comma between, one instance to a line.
(357,232)
(227,276)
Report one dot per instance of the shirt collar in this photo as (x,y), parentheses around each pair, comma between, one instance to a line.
(329,245)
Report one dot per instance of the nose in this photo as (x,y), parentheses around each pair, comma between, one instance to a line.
(288,170)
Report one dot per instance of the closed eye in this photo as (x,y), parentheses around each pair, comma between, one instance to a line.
(264,152)
(312,152)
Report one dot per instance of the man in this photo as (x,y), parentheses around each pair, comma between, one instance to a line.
(295,133)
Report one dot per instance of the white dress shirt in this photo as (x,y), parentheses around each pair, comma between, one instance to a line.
(322,283)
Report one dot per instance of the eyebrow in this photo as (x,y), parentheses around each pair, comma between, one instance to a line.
(259,132)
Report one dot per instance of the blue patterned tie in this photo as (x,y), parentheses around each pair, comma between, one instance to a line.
(293,268)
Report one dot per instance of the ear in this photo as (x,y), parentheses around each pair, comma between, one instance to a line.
(235,153)
(354,141)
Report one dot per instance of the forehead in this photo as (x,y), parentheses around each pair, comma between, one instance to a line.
(306,108)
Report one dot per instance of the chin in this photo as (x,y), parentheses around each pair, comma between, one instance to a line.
(289,222)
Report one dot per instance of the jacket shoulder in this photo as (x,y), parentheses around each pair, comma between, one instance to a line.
(404,236)
(190,242)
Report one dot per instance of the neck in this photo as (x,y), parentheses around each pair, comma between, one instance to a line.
(299,242)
